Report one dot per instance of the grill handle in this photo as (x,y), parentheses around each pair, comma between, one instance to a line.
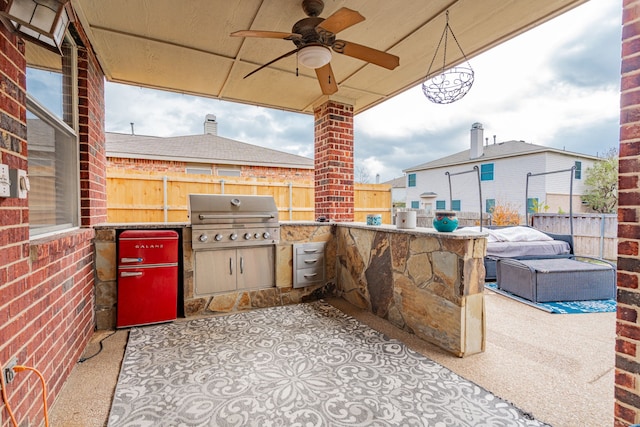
(230,266)
(238,216)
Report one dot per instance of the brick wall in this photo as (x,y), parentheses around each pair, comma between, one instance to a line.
(93,160)
(627,386)
(147,165)
(334,196)
(46,285)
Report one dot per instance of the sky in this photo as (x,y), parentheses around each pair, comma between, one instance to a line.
(557,85)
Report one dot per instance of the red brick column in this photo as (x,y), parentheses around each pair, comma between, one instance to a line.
(334,161)
(627,384)
(93,159)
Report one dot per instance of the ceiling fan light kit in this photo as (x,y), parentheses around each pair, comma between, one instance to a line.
(449,85)
(315,38)
(314,56)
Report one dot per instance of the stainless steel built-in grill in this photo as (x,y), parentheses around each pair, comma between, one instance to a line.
(233,240)
(222,221)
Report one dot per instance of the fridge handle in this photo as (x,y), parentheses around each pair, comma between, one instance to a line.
(130,273)
(130,259)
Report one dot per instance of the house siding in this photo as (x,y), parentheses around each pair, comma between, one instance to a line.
(47,285)
(508,186)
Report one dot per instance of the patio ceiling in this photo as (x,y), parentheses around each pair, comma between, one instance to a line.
(185,46)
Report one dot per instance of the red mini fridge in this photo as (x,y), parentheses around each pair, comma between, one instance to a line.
(147,277)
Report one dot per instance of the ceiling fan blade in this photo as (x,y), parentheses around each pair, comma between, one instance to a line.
(265,34)
(342,19)
(374,56)
(326,79)
(271,62)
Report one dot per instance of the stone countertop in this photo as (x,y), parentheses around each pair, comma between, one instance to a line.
(460,233)
(142,225)
(457,234)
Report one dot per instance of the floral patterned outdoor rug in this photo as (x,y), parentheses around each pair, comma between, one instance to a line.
(298,365)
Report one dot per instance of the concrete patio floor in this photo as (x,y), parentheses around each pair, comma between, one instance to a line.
(559,368)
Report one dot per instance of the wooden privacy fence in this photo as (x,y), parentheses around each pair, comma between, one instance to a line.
(593,234)
(163,197)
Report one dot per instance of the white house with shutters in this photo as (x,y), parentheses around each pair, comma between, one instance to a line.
(500,171)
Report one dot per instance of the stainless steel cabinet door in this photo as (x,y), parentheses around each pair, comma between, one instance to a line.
(215,271)
(255,268)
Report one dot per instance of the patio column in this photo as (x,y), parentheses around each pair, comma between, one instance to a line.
(334,195)
(627,381)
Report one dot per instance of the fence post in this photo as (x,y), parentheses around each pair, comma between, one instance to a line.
(602,236)
(164,199)
(290,201)
(222,186)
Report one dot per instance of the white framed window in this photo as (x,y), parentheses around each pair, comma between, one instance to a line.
(52,146)
(228,172)
(54,176)
(198,170)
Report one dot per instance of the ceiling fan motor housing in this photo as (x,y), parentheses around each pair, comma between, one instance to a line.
(311,33)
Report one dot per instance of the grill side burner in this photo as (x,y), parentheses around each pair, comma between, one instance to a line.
(233,241)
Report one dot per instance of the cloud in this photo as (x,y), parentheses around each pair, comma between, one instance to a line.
(556,85)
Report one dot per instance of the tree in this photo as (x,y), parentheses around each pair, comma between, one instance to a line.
(601,183)
(504,214)
(362,175)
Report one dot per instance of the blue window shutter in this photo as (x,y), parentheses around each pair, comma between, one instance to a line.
(415,204)
(411,180)
(486,172)
(578,172)
(455,205)
(441,204)
(489,205)
(530,204)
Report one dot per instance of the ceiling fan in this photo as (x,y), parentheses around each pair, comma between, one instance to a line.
(315,37)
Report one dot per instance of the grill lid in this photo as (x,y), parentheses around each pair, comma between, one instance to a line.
(207,209)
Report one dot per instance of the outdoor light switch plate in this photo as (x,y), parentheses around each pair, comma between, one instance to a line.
(19,183)
(5,183)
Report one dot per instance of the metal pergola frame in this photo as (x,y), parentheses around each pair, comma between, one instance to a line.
(475,169)
(572,169)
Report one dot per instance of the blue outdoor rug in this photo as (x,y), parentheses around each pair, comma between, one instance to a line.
(561,307)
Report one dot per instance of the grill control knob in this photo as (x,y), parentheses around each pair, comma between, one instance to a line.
(247,236)
(233,236)
(266,235)
(218,237)
(203,238)
(256,236)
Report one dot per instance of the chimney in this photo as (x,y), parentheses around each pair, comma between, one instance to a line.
(210,125)
(477,135)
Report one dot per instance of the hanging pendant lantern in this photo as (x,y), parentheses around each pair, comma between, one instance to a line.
(449,85)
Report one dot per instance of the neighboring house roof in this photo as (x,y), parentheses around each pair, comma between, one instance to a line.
(399,182)
(493,152)
(205,148)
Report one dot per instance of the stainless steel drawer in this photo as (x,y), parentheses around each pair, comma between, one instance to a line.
(309,260)
(309,248)
(308,276)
